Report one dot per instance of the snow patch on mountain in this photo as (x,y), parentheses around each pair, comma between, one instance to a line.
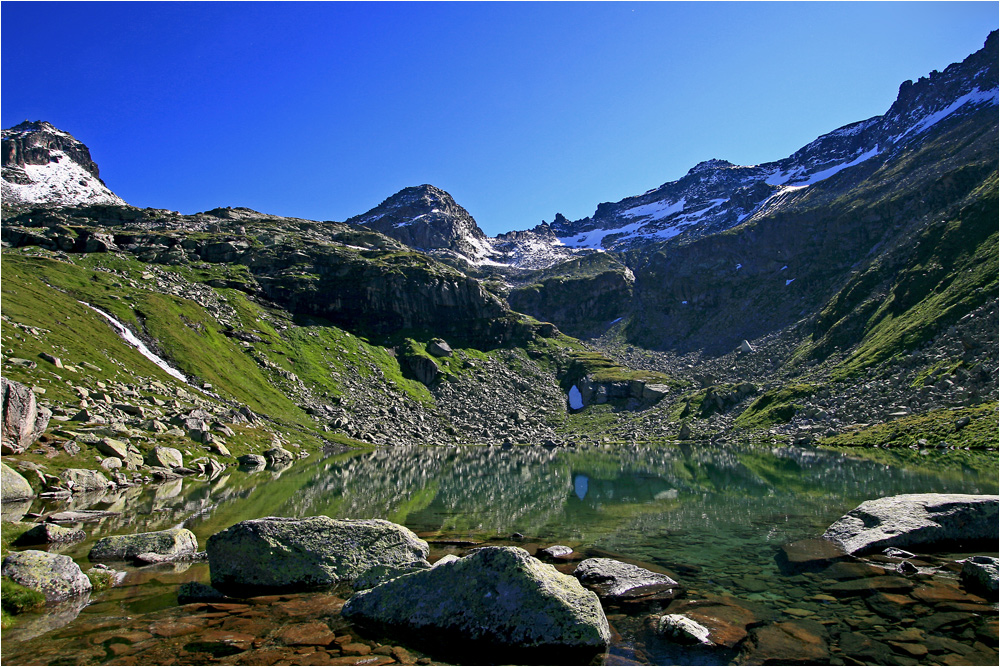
(43,165)
(61,182)
(975,98)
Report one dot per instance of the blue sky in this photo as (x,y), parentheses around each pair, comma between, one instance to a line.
(519,110)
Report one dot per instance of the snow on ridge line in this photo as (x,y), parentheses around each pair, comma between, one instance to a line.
(59,182)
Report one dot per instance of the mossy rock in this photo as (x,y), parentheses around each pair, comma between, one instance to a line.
(13,486)
(56,576)
(497,597)
(173,542)
(299,554)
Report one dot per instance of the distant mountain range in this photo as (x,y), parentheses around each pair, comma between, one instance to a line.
(713,196)
(43,165)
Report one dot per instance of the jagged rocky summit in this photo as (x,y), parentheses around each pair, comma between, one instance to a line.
(427,218)
(43,165)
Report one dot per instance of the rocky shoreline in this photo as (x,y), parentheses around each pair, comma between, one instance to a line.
(555,605)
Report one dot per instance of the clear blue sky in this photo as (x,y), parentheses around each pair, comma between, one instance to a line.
(519,110)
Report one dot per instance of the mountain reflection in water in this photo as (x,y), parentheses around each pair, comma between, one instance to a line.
(712,516)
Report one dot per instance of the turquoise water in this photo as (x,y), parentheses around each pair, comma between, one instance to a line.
(712,516)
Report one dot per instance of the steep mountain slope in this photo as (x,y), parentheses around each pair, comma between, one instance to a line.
(755,265)
(783,267)
(44,165)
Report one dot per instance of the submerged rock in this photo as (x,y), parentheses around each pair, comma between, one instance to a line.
(683,630)
(808,554)
(916,519)
(174,542)
(56,576)
(798,642)
(193,591)
(286,553)
(498,596)
(980,574)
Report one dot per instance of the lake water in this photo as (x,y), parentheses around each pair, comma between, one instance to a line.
(714,517)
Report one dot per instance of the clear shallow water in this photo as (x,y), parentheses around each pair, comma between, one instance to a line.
(712,516)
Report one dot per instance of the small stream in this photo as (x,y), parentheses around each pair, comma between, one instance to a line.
(713,517)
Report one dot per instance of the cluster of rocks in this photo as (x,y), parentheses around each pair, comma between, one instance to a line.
(495,404)
(502,600)
(495,596)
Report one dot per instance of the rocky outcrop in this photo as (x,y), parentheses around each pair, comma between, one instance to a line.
(172,543)
(497,596)
(284,553)
(23,419)
(926,520)
(14,487)
(580,305)
(57,577)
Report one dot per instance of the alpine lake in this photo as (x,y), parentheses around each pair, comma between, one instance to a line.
(714,517)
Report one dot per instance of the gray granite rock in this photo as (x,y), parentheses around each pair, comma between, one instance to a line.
(497,596)
(55,576)
(172,542)
(286,553)
(909,520)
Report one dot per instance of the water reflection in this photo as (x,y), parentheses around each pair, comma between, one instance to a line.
(712,516)
(610,497)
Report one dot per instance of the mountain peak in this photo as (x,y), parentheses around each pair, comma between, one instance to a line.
(711,164)
(43,165)
(427,218)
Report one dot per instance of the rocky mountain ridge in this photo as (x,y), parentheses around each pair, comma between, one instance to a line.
(43,165)
(715,195)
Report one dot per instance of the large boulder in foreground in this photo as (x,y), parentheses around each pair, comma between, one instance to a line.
(910,520)
(56,576)
(498,597)
(285,553)
(172,543)
(23,419)
(13,486)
